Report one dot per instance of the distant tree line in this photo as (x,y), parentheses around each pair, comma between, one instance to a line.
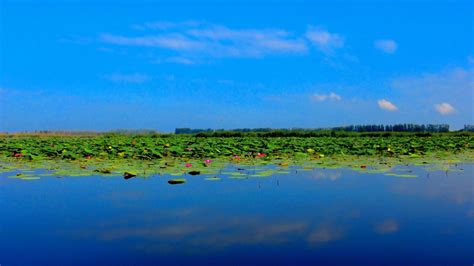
(433,128)
(186,130)
(429,128)
(352,130)
(468,128)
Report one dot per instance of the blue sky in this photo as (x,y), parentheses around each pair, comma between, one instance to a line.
(101,65)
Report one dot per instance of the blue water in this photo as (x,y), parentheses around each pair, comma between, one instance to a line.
(329,217)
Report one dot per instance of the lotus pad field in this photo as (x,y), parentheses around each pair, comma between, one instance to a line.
(172,154)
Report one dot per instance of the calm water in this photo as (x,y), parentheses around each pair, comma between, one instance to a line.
(312,217)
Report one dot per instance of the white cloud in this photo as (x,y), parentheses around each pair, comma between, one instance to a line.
(323,97)
(324,40)
(444,108)
(248,42)
(387,46)
(199,39)
(175,60)
(130,78)
(386,105)
(170,41)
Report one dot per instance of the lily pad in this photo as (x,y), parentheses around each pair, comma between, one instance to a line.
(128,175)
(402,175)
(30,178)
(194,172)
(103,170)
(214,178)
(177,181)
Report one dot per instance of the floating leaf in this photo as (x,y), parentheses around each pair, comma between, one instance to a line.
(103,170)
(30,178)
(214,178)
(402,175)
(263,173)
(128,175)
(177,181)
(194,172)
(238,177)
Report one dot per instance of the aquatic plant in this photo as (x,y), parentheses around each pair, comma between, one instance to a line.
(145,155)
(149,147)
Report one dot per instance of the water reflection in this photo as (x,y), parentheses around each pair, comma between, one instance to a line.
(327,216)
(325,233)
(443,185)
(387,226)
(320,174)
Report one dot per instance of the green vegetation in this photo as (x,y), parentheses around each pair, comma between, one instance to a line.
(144,155)
(150,147)
(413,128)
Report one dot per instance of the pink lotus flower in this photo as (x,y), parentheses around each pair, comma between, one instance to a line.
(236,157)
(188,165)
(208,161)
(261,154)
(18,155)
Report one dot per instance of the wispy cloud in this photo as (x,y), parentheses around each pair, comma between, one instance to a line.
(387,46)
(176,60)
(324,40)
(386,105)
(323,97)
(128,78)
(444,108)
(176,42)
(193,39)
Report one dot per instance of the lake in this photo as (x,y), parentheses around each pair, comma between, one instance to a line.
(319,216)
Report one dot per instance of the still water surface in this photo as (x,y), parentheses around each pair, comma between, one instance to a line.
(322,216)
